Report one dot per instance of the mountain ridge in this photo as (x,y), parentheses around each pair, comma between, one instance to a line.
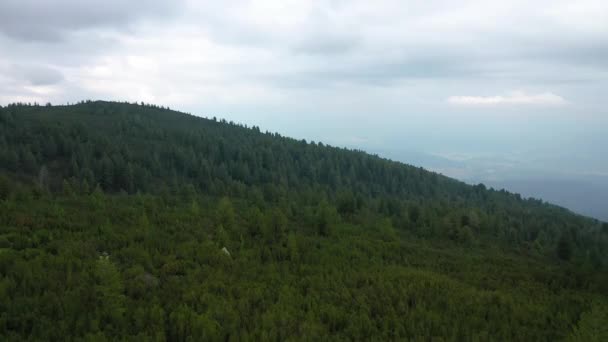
(255,129)
(115,220)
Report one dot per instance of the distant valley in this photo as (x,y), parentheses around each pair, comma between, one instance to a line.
(582,193)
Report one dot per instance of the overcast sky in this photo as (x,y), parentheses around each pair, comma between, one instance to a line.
(510,79)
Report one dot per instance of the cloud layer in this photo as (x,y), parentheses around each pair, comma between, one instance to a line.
(254,60)
(516,98)
(32,20)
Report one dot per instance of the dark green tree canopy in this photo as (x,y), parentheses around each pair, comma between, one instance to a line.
(134,222)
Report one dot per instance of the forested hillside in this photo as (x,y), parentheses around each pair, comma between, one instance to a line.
(135,222)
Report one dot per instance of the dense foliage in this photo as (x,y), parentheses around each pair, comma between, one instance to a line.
(130,221)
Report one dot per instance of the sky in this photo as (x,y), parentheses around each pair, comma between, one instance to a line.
(478,90)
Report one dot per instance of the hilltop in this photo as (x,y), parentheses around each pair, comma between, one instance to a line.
(137,221)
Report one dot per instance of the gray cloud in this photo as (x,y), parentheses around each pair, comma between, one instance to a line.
(237,50)
(37,75)
(377,73)
(588,52)
(325,44)
(324,35)
(329,42)
(32,20)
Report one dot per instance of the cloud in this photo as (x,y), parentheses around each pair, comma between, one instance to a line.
(36,75)
(33,20)
(392,55)
(515,98)
(321,43)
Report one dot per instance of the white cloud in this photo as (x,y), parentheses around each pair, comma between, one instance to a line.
(515,98)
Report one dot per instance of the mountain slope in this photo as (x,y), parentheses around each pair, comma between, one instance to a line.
(126,208)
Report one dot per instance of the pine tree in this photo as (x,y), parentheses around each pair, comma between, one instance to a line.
(564,247)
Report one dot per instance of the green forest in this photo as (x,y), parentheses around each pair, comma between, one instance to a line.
(134,222)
